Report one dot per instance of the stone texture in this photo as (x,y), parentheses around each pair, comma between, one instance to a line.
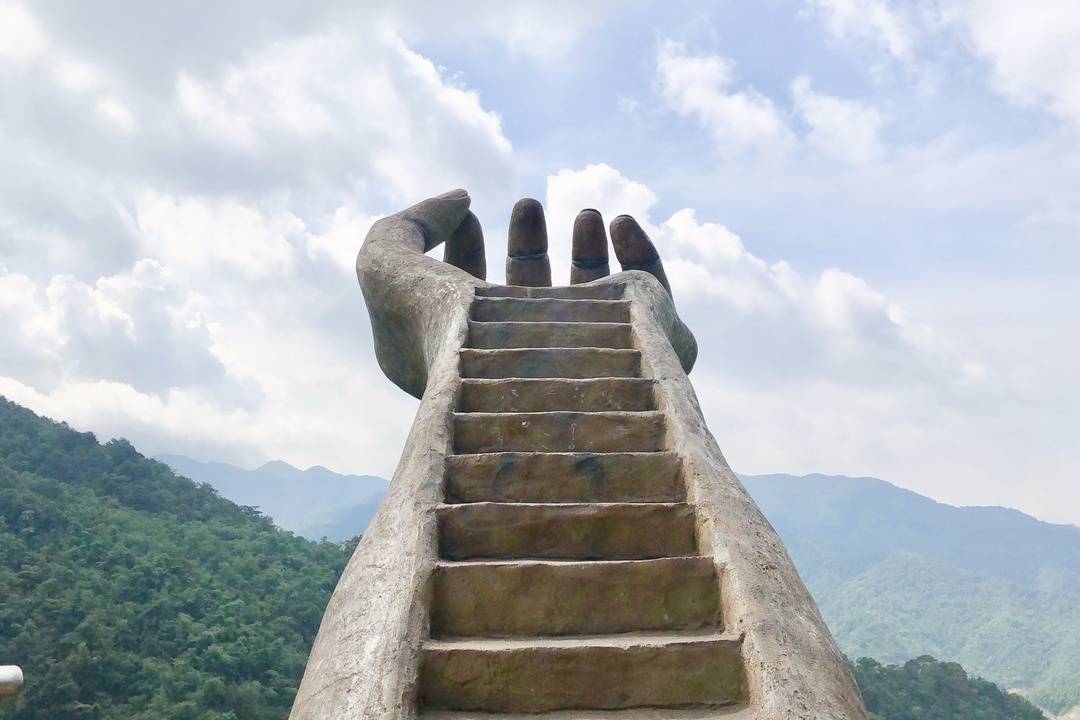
(373,656)
(564,477)
(729,712)
(589,248)
(526,246)
(592,291)
(543,309)
(606,673)
(465,248)
(542,598)
(574,363)
(635,250)
(548,394)
(614,531)
(544,334)
(558,432)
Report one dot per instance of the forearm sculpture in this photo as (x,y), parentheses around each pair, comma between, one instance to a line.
(562,534)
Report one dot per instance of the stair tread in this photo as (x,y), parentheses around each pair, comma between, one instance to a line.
(540,381)
(576,454)
(552,348)
(632,506)
(494,309)
(566,562)
(737,712)
(621,640)
(548,413)
(534,323)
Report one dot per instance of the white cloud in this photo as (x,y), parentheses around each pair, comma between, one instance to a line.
(1033,48)
(21,37)
(339,242)
(543,31)
(378,102)
(847,129)
(700,86)
(137,326)
(220,236)
(876,21)
(115,113)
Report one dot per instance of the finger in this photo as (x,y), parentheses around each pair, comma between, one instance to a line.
(465,248)
(589,251)
(439,216)
(635,250)
(526,248)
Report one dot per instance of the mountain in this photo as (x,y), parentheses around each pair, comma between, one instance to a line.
(925,689)
(898,575)
(315,503)
(129,593)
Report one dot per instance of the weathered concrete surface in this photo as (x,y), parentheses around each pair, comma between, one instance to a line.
(550,309)
(562,673)
(543,598)
(526,246)
(549,394)
(635,250)
(11,680)
(589,248)
(795,668)
(563,431)
(609,531)
(737,712)
(374,657)
(365,658)
(564,478)
(550,363)
(549,334)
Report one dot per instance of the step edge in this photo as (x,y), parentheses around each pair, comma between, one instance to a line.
(542,562)
(617,640)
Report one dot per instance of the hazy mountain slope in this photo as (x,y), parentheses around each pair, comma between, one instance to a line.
(128,593)
(315,503)
(898,575)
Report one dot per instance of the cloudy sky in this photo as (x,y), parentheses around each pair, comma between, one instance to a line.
(869,211)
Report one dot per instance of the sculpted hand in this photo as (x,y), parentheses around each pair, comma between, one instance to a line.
(406,291)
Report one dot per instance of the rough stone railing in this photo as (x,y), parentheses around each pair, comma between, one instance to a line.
(364,663)
(11,680)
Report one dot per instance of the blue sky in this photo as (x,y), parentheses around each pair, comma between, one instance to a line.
(869,211)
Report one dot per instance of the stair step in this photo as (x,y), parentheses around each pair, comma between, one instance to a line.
(730,712)
(563,431)
(586,531)
(604,672)
(550,363)
(549,334)
(609,291)
(564,477)
(548,394)
(531,597)
(503,309)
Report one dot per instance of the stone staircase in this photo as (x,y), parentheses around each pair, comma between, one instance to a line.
(569,579)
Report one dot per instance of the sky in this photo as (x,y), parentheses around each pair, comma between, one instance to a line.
(869,211)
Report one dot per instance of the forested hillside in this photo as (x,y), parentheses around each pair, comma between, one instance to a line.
(131,593)
(925,689)
(897,576)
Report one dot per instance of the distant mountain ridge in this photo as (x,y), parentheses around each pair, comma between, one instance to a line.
(315,503)
(898,575)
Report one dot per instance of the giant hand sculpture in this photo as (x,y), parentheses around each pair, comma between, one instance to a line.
(562,534)
(408,292)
